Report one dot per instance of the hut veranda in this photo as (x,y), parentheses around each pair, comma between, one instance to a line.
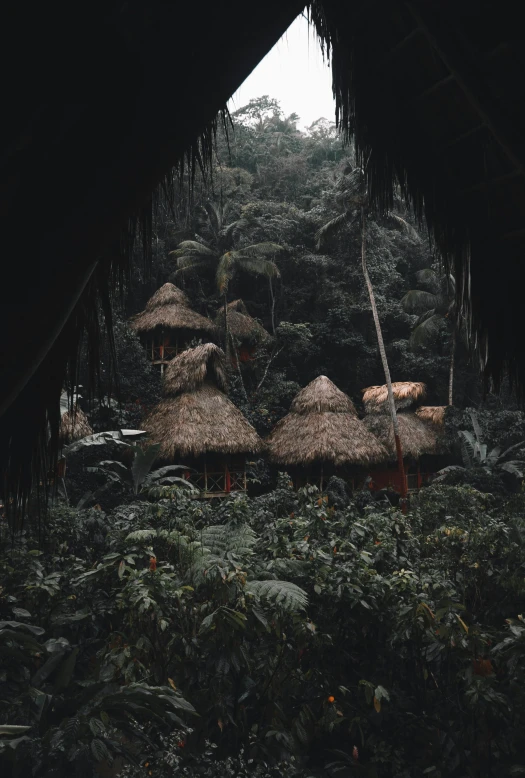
(168,324)
(323,436)
(197,425)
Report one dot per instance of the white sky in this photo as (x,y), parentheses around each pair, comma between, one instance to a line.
(294,73)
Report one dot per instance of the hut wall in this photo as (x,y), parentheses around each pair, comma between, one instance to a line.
(217,476)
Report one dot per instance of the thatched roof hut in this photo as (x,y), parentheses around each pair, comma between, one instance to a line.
(417,436)
(323,426)
(406,394)
(73,426)
(195,417)
(241,325)
(435,414)
(169,309)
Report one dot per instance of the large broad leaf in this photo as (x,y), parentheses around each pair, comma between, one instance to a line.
(114,437)
(141,465)
(162,472)
(516,468)
(468,447)
(442,475)
(24,627)
(475,425)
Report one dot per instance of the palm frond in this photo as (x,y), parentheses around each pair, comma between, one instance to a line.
(328,229)
(284,594)
(418,301)
(403,225)
(225,271)
(265,250)
(261,267)
(192,248)
(187,265)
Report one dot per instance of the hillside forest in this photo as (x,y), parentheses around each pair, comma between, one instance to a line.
(311,629)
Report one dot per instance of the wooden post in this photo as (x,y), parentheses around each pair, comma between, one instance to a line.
(244,480)
(205,476)
(227,479)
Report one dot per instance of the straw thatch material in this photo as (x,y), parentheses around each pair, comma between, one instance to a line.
(189,369)
(417,437)
(322,426)
(406,393)
(200,422)
(73,426)
(168,294)
(169,308)
(322,396)
(241,325)
(435,414)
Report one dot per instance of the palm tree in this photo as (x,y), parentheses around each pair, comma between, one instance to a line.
(434,303)
(352,196)
(218,253)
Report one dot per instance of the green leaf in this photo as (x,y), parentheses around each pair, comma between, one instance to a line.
(13,729)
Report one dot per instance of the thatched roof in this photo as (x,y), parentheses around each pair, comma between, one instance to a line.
(168,294)
(198,422)
(322,426)
(417,437)
(435,414)
(189,369)
(406,394)
(169,308)
(241,325)
(73,426)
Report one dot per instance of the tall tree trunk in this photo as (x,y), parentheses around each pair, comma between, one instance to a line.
(273,305)
(382,352)
(226,338)
(451,371)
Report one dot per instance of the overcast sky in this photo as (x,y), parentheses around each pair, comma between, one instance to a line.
(294,73)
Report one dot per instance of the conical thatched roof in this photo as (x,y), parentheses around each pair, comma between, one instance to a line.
(168,294)
(435,414)
(195,416)
(169,308)
(192,367)
(322,426)
(73,426)
(241,325)
(199,422)
(417,436)
(406,393)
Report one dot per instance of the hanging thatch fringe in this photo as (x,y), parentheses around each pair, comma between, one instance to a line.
(406,394)
(323,426)
(190,369)
(435,414)
(417,436)
(73,426)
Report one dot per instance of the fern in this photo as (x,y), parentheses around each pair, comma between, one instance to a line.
(284,594)
(142,534)
(223,540)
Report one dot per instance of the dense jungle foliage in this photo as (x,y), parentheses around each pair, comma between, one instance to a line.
(307,634)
